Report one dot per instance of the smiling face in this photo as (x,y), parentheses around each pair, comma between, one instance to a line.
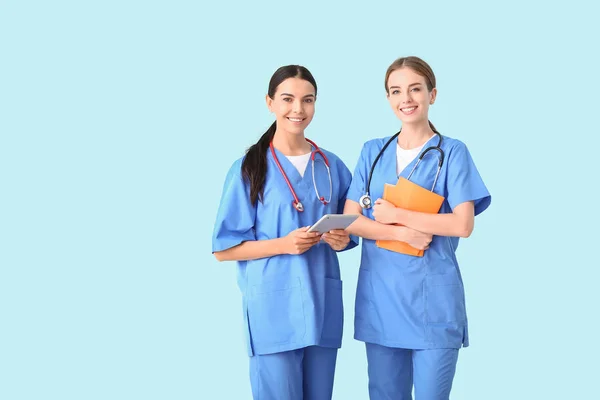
(408,95)
(293,105)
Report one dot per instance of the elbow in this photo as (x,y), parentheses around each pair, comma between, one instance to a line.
(219,256)
(465,231)
(465,234)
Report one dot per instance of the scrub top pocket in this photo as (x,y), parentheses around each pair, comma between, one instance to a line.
(366,317)
(444,299)
(276,313)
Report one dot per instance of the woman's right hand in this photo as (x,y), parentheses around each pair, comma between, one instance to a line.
(417,239)
(299,241)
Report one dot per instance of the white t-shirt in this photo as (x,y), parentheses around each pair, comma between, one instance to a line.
(405,157)
(300,162)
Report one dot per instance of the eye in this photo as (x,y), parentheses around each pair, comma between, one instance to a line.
(416,89)
(287,99)
(308,100)
(395,91)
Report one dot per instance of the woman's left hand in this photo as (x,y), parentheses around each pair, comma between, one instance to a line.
(338,239)
(384,212)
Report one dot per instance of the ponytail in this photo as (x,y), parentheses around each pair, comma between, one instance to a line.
(254,166)
(432,127)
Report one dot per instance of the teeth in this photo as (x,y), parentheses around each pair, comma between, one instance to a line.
(295,119)
(408,109)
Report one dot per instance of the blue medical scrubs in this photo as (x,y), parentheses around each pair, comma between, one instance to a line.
(289,302)
(414,303)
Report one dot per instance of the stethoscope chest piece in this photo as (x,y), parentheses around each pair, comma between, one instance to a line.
(365,201)
(298,206)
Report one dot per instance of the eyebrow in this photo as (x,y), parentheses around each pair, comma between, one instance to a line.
(291,95)
(412,84)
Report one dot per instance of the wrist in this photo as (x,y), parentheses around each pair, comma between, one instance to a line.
(279,246)
(399,216)
(400,233)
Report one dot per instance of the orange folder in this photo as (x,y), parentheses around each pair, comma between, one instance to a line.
(410,196)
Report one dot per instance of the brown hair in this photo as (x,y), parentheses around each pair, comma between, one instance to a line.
(420,67)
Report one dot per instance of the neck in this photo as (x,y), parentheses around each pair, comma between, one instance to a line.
(291,144)
(415,135)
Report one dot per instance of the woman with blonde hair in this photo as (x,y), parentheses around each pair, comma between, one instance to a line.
(410,310)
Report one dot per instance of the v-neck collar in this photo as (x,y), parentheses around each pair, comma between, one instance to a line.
(404,173)
(290,169)
(302,185)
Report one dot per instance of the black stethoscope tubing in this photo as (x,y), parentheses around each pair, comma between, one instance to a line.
(365,200)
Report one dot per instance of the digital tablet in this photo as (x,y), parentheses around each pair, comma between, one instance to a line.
(332,221)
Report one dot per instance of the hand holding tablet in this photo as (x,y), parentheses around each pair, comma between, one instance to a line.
(331,222)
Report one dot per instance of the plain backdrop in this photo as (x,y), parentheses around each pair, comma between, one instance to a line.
(120,119)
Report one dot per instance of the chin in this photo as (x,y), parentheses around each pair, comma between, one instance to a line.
(409,119)
(296,130)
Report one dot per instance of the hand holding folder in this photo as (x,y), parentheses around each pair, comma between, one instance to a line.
(410,196)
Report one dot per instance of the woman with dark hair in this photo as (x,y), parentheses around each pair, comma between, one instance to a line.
(410,306)
(289,278)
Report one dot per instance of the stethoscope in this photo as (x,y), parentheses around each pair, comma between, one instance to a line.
(297,204)
(365,200)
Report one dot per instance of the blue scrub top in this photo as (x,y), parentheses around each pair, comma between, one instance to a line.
(415,302)
(289,301)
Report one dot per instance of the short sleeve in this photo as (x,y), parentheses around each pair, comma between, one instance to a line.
(463,182)
(345,180)
(359,180)
(236,214)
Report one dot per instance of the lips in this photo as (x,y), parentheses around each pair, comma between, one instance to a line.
(408,110)
(296,120)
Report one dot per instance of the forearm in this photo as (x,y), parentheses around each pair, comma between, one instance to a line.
(252,250)
(369,229)
(459,224)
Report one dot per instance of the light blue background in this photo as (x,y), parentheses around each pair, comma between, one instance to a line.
(119,120)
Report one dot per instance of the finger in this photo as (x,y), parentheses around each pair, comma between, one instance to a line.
(299,241)
(338,246)
(305,246)
(337,237)
(314,239)
(339,232)
(332,241)
(307,235)
(308,246)
(327,238)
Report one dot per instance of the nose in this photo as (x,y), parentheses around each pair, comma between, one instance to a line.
(405,98)
(297,107)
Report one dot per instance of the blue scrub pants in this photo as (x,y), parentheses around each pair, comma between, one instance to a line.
(293,375)
(393,371)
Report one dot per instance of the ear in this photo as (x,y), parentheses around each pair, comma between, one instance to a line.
(433,95)
(269,103)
